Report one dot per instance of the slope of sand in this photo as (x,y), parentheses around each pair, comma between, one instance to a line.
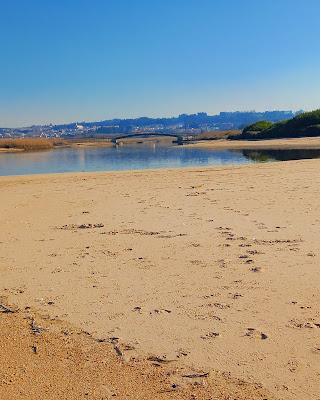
(52,361)
(216,268)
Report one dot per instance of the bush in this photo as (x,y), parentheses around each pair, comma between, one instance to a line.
(258,126)
(303,125)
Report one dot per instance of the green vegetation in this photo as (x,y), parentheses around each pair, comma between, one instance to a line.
(258,126)
(216,135)
(303,125)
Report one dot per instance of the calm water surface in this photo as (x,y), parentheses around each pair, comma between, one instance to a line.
(136,157)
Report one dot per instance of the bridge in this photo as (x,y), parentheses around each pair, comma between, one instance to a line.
(116,139)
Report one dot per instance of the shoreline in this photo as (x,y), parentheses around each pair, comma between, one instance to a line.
(293,143)
(76,145)
(288,143)
(181,270)
(12,150)
(153,171)
(137,171)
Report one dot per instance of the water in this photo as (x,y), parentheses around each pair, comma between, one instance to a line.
(139,156)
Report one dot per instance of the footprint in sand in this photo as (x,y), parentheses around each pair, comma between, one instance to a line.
(160,311)
(255,334)
(316,349)
(221,306)
(256,269)
(293,365)
(182,353)
(310,324)
(254,252)
(210,335)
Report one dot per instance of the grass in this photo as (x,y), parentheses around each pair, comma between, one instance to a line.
(216,135)
(30,143)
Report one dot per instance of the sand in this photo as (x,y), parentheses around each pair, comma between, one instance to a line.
(295,143)
(42,358)
(11,150)
(214,269)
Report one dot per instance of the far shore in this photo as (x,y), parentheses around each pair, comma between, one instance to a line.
(294,143)
(37,144)
(5,150)
(14,145)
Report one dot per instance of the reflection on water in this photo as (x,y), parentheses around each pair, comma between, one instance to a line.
(281,154)
(137,157)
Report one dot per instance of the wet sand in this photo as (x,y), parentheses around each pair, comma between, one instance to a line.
(214,268)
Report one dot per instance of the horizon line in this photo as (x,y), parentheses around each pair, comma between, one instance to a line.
(151,117)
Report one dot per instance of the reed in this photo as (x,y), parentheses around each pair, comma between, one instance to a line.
(29,144)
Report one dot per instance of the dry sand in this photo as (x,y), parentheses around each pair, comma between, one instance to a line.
(11,150)
(45,359)
(295,143)
(215,268)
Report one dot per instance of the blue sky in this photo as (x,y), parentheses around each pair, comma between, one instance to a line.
(74,60)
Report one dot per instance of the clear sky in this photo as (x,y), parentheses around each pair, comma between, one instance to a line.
(74,60)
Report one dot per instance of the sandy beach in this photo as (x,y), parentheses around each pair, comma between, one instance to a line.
(207,273)
(288,143)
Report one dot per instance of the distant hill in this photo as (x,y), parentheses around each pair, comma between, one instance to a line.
(194,124)
(201,120)
(302,125)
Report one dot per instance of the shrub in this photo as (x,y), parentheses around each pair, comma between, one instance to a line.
(258,126)
(303,125)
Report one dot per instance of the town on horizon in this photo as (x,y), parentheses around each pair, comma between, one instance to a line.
(184,123)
